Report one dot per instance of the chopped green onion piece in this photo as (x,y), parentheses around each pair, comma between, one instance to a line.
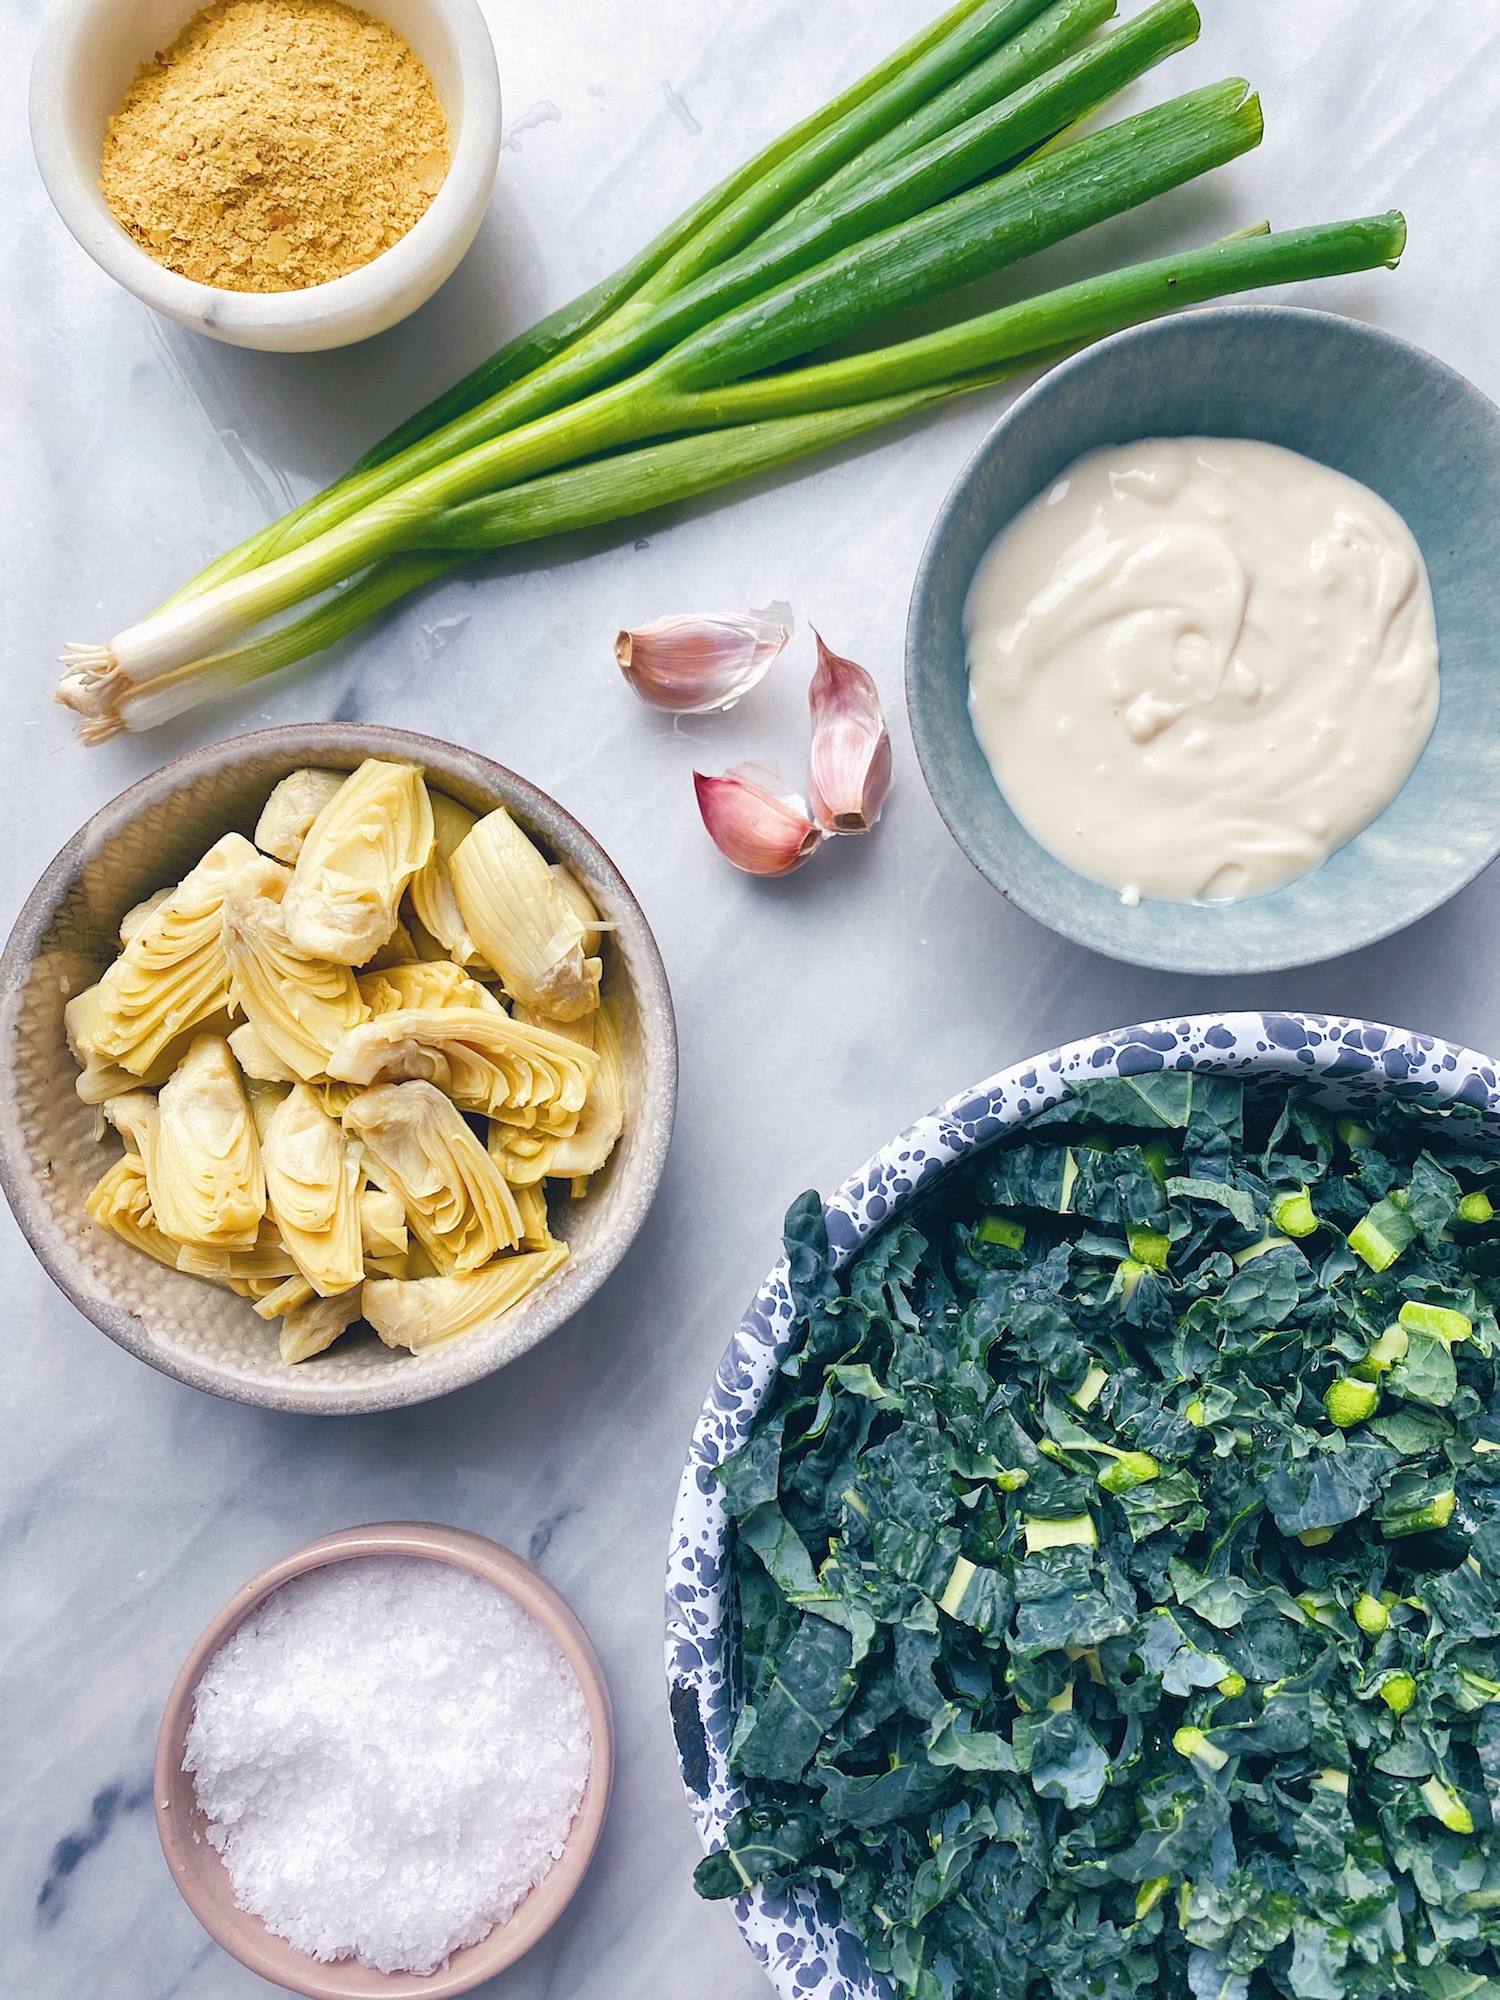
(1370,1615)
(1087,1392)
(1075,1531)
(1150,1894)
(1002,1229)
(1149,1246)
(1398,1692)
(1444,1804)
(1442,1323)
(1476,1207)
(1193,1743)
(1349,1402)
(1129,1470)
(1293,1214)
(958,1583)
(1382,1235)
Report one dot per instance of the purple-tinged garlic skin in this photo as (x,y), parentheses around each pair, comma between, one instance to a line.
(696,663)
(849,764)
(762,831)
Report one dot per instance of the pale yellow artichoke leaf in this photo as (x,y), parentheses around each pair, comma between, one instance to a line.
(140,914)
(264,1265)
(382,1223)
(432,896)
(522,921)
(523,1156)
(486,1061)
(313,1177)
(418,1147)
(420,1313)
(203,1162)
(426,983)
(257,1058)
(121,1204)
(313,1328)
(172,976)
(602,1121)
(300,1006)
(284,1297)
(531,1206)
(359,855)
(289,812)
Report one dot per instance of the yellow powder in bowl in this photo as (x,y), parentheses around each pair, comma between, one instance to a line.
(276,144)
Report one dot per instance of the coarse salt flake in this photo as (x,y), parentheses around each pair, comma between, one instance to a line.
(389,1753)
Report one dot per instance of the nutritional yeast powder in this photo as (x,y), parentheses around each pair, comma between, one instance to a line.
(276,144)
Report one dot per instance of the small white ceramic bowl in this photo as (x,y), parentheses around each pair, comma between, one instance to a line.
(87,53)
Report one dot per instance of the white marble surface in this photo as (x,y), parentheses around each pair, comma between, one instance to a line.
(817,1015)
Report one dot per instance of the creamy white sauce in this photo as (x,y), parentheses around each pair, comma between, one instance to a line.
(1199,665)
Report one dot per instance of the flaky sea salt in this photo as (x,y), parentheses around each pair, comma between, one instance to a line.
(389,1754)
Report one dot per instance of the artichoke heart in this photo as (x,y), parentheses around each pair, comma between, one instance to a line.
(308,1329)
(257,1058)
(100,1079)
(523,1157)
(312,1185)
(603,1118)
(486,1062)
(289,812)
(203,1161)
(121,1203)
(299,1006)
(419,1312)
(522,920)
(360,853)
(261,1267)
(531,1206)
(429,984)
(172,975)
(431,891)
(382,1223)
(418,1148)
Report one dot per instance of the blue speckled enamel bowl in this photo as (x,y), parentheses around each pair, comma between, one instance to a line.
(800,1939)
(1355,398)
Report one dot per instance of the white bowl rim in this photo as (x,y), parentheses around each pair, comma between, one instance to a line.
(315,314)
(799,1937)
(463,1361)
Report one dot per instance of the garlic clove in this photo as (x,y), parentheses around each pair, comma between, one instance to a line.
(697,663)
(754,822)
(849,765)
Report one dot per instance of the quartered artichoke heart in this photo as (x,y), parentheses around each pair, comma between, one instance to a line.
(98,1078)
(312,1185)
(299,1005)
(289,812)
(429,983)
(203,1159)
(418,1148)
(359,854)
(308,1329)
(531,928)
(382,1223)
(485,1061)
(121,1203)
(585,1151)
(431,892)
(171,976)
(420,1312)
(257,1270)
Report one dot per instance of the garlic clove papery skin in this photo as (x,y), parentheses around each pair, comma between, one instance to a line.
(761,830)
(696,663)
(849,764)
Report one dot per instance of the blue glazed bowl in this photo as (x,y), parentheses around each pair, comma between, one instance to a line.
(799,1934)
(1355,398)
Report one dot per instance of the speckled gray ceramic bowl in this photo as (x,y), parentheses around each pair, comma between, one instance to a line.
(800,1937)
(49,1157)
(1344,393)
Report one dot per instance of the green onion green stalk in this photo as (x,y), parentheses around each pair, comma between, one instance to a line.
(960,157)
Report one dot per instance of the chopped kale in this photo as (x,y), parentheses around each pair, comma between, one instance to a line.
(1118,1562)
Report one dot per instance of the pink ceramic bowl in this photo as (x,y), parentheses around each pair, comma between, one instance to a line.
(202,1876)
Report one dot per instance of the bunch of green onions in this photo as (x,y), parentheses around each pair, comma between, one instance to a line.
(699,363)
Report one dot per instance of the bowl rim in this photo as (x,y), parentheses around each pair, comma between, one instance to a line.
(564,1294)
(1209,958)
(189,1856)
(798,1936)
(352,307)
